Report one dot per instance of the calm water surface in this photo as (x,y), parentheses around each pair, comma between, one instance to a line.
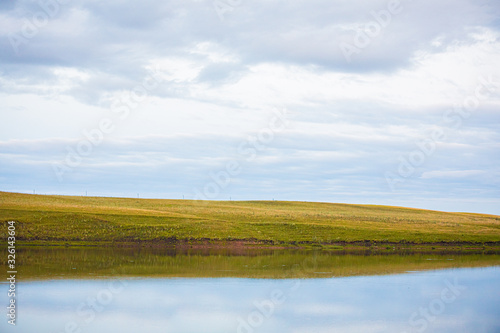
(314,296)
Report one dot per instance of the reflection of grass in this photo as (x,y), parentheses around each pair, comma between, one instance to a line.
(91,219)
(53,262)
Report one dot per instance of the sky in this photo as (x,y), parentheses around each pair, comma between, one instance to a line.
(365,102)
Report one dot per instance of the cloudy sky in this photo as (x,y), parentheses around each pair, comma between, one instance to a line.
(379,102)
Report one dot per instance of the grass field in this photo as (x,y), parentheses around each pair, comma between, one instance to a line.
(98,220)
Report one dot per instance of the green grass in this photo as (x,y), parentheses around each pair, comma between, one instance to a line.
(96,220)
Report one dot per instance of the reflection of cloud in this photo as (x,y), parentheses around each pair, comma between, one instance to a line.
(356,304)
(326,309)
(368,327)
(188,321)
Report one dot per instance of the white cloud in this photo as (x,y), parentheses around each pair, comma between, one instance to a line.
(221,81)
(453,174)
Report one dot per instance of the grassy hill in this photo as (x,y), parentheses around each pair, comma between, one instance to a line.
(90,220)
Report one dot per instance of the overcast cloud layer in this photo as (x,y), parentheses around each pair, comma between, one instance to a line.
(382,102)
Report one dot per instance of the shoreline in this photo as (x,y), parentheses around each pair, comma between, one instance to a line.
(248,244)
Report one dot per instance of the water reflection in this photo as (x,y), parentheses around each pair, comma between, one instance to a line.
(82,263)
(414,302)
(131,290)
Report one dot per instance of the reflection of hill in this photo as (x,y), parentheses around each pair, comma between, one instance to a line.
(46,263)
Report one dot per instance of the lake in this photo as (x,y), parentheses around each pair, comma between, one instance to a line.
(157,290)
